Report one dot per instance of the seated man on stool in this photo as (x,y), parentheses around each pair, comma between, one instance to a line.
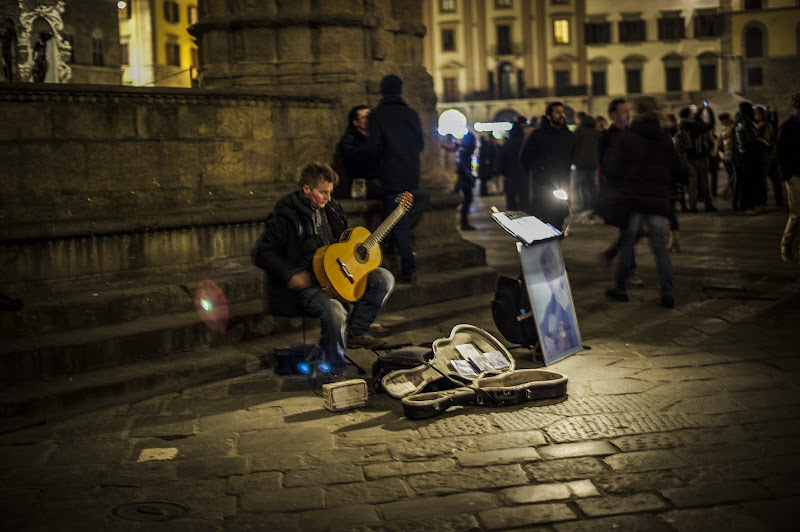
(300,223)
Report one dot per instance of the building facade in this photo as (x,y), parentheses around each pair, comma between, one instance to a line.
(156,47)
(491,59)
(60,41)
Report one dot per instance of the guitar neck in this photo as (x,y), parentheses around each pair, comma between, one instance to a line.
(379,234)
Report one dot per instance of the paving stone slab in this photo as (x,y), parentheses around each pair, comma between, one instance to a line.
(460,503)
(566,469)
(282,500)
(709,404)
(427,449)
(597,426)
(646,442)
(240,421)
(81,475)
(361,455)
(681,390)
(721,454)
(629,483)
(489,477)
(372,492)
(166,426)
(280,461)
(458,425)
(523,420)
(593,372)
(198,446)
(505,440)
(620,386)
(675,375)
(501,456)
(605,404)
(710,494)
(451,523)
(319,476)
(286,440)
(728,518)
(620,504)
(237,484)
(182,490)
(571,450)
(394,469)
(628,523)
(778,514)
(723,472)
(138,474)
(32,454)
(212,467)
(549,492)
(524,516)
(341,518)
(754,400)
(262,521)
(645,461)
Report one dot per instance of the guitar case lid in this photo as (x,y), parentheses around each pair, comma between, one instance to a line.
(456,347)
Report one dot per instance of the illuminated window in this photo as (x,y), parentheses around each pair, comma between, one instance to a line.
(447,6)
(561,31)
(450,89)
(502,3)
(191,14)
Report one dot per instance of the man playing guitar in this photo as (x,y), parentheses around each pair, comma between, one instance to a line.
(300,223)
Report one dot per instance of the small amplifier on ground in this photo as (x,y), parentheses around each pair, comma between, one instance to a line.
(345,395)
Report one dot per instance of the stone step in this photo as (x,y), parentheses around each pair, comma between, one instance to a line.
(36,402)
(66,352)
(238,281)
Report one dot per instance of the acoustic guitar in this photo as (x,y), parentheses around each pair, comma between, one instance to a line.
(342,268)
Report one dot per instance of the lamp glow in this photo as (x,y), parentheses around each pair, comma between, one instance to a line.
(560,194)
(121,4)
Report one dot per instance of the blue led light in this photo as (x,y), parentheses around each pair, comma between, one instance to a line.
(304,368)
(324,367)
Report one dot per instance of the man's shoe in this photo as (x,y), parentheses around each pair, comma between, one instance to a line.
(407,278)
(668,300)
(364,341)
(634,280)
(468,227)
(616,296)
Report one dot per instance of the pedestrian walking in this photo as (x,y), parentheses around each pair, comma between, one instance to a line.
(748,148)
(586,139)
(788,157)
(465,185)
(694,150)
(546,156)
(642,163)
(514,176)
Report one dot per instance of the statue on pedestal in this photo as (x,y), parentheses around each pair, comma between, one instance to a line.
(40,56)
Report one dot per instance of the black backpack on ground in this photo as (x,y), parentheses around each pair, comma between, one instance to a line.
(511,300)
(401,357)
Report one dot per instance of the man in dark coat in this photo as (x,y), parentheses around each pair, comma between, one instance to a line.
(788,157)
(694,150)
(642,164)
(395,137)
(465,184)
(748,151)
(300,223)
(358,161)
(546,156)
(515,180)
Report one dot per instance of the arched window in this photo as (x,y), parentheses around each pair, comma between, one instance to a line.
(754,41)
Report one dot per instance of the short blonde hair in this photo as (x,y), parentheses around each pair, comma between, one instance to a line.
(315,173)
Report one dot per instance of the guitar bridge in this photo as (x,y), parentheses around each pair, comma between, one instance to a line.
(345,271)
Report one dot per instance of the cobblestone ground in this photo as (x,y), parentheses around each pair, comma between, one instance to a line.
(676,419)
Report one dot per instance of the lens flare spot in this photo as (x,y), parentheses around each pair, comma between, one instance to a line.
(212,306)
(560,194)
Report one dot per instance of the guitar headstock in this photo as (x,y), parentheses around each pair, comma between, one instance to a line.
(405,200)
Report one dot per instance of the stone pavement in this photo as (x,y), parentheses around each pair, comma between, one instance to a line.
(676,419)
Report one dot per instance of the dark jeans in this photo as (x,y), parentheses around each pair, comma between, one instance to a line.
(516,192)
(333,314)
(401,236)
(585,188)
(657,227)
(466,190)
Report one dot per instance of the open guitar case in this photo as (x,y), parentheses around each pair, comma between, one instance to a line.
(430,389)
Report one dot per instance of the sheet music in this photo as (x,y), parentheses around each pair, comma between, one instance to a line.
(525,228)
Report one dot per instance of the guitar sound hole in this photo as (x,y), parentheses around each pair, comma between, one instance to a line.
(361,254)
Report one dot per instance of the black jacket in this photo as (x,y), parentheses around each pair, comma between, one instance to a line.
(357,159)
(508,162)
(788,154)
(287,246)
(586,140)
(547,154)
(642,165)
(395,137)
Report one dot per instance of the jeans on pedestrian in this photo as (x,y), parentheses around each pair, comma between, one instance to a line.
(401,236)
(657,233)
(585,188)
(466,191)
(790,234)
(333,314)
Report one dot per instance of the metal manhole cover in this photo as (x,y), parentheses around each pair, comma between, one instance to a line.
(150,511)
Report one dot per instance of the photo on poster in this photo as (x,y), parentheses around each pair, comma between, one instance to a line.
(551,300)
